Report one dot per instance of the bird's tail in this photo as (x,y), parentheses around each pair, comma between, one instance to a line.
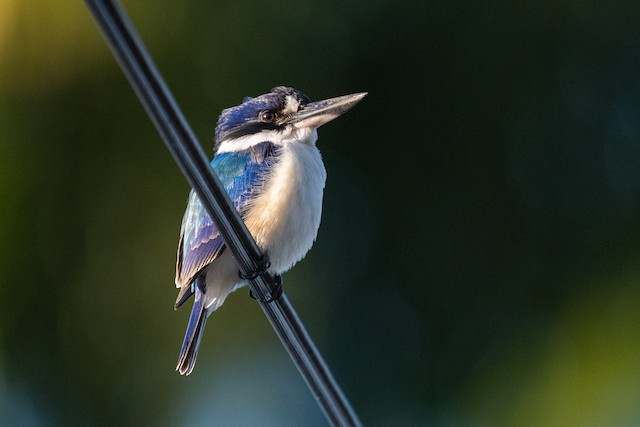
(192,338)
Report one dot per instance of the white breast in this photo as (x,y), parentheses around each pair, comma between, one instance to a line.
(285,218)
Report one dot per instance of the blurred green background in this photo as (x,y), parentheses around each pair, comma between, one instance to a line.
(477,263)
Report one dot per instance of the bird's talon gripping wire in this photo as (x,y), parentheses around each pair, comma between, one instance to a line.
(262,268)
(276,292)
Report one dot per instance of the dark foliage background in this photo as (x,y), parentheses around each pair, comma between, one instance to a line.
(477,260)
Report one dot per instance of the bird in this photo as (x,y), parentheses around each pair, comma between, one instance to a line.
(266,158)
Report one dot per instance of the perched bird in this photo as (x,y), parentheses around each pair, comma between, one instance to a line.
(267,160)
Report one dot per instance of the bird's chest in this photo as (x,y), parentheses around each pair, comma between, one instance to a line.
(285,217)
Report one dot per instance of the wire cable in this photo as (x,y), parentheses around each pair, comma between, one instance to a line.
(136,63)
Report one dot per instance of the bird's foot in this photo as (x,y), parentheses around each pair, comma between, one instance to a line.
(262,268)
(276,292)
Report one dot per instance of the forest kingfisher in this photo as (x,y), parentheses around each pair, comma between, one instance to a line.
(266,158)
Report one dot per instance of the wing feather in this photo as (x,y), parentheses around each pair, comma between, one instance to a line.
(242,174)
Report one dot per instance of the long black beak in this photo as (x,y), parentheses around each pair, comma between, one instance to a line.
(317,113)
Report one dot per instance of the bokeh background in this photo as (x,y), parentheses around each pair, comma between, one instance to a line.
(477,263)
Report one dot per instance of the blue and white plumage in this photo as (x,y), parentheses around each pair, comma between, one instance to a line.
(267,160)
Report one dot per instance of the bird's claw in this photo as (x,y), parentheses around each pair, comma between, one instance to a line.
(262,268)
(276,292)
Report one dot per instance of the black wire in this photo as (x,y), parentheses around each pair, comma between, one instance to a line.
(154,94)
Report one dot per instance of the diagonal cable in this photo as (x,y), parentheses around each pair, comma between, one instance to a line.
(128,49)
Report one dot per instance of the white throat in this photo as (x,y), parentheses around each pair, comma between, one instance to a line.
(307,136)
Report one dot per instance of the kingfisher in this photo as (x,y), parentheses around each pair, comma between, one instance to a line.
(266,158)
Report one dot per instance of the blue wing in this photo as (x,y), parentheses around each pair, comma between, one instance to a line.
(242,174)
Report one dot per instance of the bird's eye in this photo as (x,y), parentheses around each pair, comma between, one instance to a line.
(267,116)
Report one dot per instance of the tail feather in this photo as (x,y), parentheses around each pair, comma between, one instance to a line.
(209,290)
(193,336)
(184,294)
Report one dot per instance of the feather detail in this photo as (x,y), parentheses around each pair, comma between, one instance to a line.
(205,302)
(242,175)
(193,336)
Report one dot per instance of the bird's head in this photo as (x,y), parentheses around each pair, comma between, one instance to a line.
(281,116)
